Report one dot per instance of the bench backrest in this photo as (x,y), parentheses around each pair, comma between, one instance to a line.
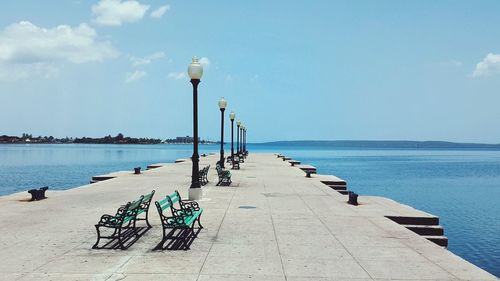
(168,202)
(131,209)
(146,200)
(148,196)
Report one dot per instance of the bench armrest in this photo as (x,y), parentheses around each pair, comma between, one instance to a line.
(189,205)
(108,220)
(175,220)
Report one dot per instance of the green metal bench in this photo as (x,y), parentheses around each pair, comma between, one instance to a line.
(203,175)
(183,217)
(236,162)
(124,219)
(224,176)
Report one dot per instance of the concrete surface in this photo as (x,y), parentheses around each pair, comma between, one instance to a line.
(300,229)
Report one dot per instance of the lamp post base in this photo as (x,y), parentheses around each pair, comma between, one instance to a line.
(195,194)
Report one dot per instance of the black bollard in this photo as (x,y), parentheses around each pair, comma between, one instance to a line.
(353,198)
(38,194)
(42,192)
(137,170)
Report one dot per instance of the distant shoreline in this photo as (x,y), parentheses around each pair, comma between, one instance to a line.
(118,139)
(322,144)
(383,144)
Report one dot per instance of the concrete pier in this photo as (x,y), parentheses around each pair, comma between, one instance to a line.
(272,223)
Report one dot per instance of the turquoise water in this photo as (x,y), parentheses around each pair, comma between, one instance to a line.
(462,187)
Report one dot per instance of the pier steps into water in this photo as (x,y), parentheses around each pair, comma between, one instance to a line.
(426,230)
(109,176)
(439,240)
(427,227)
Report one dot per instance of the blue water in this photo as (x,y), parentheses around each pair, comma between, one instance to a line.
(462,187)
(64,166)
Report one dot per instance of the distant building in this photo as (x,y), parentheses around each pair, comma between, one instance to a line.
(186,139)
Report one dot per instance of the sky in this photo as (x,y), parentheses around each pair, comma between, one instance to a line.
(290,70)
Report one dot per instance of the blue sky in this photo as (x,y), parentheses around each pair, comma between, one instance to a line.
(291,70)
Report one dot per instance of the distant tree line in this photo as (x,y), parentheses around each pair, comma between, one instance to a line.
(119,139)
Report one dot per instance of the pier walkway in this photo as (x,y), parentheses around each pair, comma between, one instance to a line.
(272,223)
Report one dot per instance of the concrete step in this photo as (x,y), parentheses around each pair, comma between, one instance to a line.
(338,187)
(343,192)
(101,178)
(415,220)
(439,240)
(426,230)
(334,182)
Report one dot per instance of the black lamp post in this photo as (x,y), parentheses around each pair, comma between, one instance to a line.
(222,106)
(242,141)
(195,71)
(245,138)
(231,117)
(238,124)
(241,138)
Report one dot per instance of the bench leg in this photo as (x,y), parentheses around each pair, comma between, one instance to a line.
(147,221)
(192,230)
(199,223)
(120,241)
(163,237)
(98,238)
(135,228)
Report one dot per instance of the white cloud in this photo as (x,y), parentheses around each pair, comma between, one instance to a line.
(146,60)
(158,13)
(25,42)
(177,75)
(204,61)
(135,76)
(116,12)
(27,49)
(490,65)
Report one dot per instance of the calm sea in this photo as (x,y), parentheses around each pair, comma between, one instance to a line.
(462,187)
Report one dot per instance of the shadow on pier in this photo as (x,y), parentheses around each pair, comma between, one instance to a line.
(129,237)
(177,239)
